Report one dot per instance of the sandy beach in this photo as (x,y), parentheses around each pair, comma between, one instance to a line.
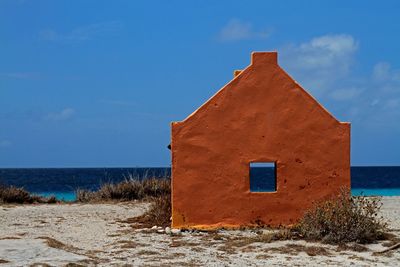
(99,235)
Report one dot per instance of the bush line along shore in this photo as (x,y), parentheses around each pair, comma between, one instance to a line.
(335,221)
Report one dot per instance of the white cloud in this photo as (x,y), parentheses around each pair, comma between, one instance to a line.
(325,65)
(83,33)
(319,63)
(381,71)
(237,30)
(5,143)
(328,51)
(381,102)
(63,115)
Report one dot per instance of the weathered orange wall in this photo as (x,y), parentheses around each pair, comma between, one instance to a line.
(262,115)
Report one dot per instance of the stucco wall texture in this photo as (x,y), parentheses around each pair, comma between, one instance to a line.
(262,115)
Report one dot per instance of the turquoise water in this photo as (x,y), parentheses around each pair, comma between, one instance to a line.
(70,196)
(66,196)
(375,191)
(371,180)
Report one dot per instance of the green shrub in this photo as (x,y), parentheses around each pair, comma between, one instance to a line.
(343,219)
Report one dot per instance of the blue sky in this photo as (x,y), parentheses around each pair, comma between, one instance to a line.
(97,83)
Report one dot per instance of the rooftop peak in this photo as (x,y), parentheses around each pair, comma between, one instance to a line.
(264,58)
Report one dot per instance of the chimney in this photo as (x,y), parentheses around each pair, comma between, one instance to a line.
(264,58)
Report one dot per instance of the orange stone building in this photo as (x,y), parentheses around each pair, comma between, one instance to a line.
(262,115)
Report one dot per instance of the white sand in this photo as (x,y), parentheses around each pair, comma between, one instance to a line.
(24,252)
(92,234)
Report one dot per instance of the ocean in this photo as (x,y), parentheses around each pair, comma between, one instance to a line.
(63,182)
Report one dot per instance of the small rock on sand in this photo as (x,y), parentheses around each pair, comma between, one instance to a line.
(168,230)
(175,231)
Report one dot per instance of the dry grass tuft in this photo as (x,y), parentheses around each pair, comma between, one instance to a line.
(190,263)
(198,249)
(230,244)
(182,243)
(147,253)
(40,264)
(391,243)
(295,249)
(53,243)
(391,238)
(73,264)
(9,237)
(317,251)
(160,211)
(159,214)
(130,189)
(128,244)
(12,194)
(157,190)
(343,219)
(352,246)
(263,257)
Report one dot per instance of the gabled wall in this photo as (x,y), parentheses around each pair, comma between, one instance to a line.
(261,115)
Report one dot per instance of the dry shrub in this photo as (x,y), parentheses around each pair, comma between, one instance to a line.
(130,189)
(316,251)
(12,194)
(155,190)
(159,213)
(343,219)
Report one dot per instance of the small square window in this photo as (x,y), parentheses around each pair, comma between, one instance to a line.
(262,177)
